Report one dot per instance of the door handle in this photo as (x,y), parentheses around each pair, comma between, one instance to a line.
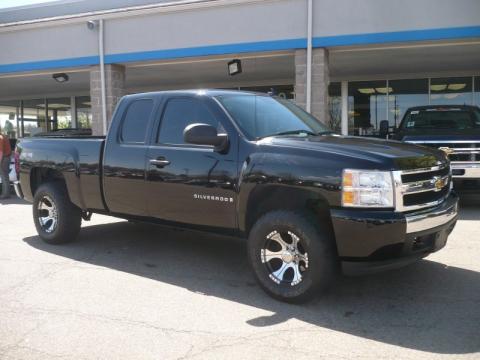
(160,162)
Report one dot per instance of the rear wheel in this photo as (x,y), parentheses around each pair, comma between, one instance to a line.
(56,218)
(293,259)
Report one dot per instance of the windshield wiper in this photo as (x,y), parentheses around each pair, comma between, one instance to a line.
(290,132)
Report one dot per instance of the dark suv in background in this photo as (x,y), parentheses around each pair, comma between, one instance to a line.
(454,129)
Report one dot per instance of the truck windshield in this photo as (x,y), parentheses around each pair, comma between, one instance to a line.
(261,116)
(451,118)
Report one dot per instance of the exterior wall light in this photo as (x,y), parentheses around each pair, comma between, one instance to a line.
(60,77)
(234,67)
(92,24)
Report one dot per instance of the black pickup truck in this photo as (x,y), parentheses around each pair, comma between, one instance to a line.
(309,202)
(454,129)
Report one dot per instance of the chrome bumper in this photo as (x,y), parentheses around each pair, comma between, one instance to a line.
(18,189)
(472,171)
(442,215)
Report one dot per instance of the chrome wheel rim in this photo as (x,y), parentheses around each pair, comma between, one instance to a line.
(47,214)
(284,258)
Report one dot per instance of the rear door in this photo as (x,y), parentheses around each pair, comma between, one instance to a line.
(188,183)
(125,158)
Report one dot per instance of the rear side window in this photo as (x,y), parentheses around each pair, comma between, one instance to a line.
(135,123)
(180,113)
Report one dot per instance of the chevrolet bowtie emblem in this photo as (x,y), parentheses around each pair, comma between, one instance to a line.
(439,183)
(446,150)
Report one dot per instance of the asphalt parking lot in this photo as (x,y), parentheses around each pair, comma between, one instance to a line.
(135,291)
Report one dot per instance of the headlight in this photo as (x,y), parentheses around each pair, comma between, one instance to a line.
(367,188)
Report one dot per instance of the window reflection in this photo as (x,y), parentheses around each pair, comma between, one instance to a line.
(334,120)
(367,105)
(84,112)
(9,111)
(403,95)
(34,117)
(451,91)
(477,91)
(59,114)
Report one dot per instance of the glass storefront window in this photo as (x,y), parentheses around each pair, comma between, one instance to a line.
(451,91)
(334,120)
(367,105)
(34,117)
(9,111)
(403,95)
(59,113)
(476,100)
(84,112)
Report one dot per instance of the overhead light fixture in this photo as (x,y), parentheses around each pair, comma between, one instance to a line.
(456,87)
(60,77)
(439,87)
(367,91)
(384,90)
(234,67)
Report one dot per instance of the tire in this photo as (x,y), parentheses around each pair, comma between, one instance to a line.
(56,218)
(288,273)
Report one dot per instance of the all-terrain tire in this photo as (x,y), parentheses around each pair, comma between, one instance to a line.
(316,255)
(56,218)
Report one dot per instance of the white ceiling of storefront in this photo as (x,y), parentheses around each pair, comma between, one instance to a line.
(405,61)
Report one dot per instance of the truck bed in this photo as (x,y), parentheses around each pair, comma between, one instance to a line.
(77,158)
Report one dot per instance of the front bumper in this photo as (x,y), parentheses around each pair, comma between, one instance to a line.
(372,241)
(465,171)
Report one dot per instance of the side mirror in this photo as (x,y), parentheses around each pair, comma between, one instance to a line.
(203,134)
(383,130)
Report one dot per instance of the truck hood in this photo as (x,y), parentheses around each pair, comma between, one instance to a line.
(388,154)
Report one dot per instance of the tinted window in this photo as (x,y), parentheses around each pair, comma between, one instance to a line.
(261,116)
(180,113)
(135,123)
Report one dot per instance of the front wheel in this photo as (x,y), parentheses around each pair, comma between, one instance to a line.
(56,218)
(293,259)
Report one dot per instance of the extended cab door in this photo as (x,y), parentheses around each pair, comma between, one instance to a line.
(187,183)
(125,157)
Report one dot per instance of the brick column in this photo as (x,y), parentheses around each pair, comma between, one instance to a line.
(114,89)
(320,81)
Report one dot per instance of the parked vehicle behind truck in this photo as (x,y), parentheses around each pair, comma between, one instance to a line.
(453,129)
(309,202)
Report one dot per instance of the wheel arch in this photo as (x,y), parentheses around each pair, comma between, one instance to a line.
(265,198)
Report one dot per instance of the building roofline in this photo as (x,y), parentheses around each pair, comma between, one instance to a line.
(173,5)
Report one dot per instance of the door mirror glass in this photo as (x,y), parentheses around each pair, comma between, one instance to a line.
(203,134)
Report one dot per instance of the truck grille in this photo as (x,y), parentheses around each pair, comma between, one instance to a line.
(421,188)
(458,151)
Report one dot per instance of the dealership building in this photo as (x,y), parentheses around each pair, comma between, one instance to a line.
(65,64)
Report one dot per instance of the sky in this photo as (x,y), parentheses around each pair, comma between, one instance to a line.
(12,3)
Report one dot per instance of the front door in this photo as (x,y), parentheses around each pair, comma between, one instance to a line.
(188,183)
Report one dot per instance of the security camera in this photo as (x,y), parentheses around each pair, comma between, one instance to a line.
(92,24)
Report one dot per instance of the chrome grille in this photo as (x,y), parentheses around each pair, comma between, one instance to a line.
(459,151)
(421,188)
